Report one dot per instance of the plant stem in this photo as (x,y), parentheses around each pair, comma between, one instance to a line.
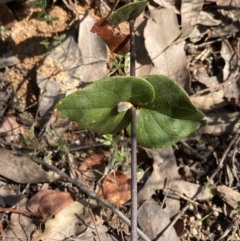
(132,49)
(134,236)
(89,192)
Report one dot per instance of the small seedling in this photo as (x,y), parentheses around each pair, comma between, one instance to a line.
(61,147)
(117,155)
(4,33)
(43,16)
(119,64)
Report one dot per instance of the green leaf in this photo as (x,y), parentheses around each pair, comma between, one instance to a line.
(52,19)
(55,43)
(169,118)
(62,36)
(96,106)
(127,12)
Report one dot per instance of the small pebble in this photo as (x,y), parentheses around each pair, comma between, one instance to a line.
(194,231)
(192,219)
(77,142)
(83,155)
(198,216)
(191,207)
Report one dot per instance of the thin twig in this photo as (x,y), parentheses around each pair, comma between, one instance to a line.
(99,238)
(220,165)
(134,236)
(132,49)
(114,7)
(195,153)
(89,193)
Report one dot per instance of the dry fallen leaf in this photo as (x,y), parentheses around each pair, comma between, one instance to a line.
(190,12)
(153,220)
(93,50)
(21,169)
(230,57)
(164,167)
(20,227)
(52,203)
(171,4)
(167,58)
(143,61)
(33,203)
(208,19)
(91,167)
(116,188)
(232,93)
(49,202)
(9,127)
(210,101)
(179,227)
(218,123)
(117,43)
(68,222)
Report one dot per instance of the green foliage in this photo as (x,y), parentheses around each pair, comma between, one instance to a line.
(106,140)
(4,32)
(118,63)
(96,106)
(169,118)
(127,12)
(58,39)
(42,15)
(117,156)
(165,114)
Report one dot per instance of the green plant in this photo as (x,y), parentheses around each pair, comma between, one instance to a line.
(61,147)
(165,114)
(119,63)
(43,16)
(117,155)
(4,32)
(155,107)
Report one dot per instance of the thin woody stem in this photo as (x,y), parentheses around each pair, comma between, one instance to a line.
(134,236)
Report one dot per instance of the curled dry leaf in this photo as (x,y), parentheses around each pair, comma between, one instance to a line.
(190,12)
(153,221)
(95,159)
(179,227)
(33,203)
(47,203)
(116,188)
(70,221)
(91,166)
(117,43)
(9,127)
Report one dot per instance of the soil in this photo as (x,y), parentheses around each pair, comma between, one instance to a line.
(25,38)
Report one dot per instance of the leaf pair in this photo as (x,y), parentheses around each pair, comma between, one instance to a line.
(165,114)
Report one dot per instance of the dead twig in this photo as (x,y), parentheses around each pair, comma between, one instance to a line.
(89,193)
(220,165)
(195,153)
